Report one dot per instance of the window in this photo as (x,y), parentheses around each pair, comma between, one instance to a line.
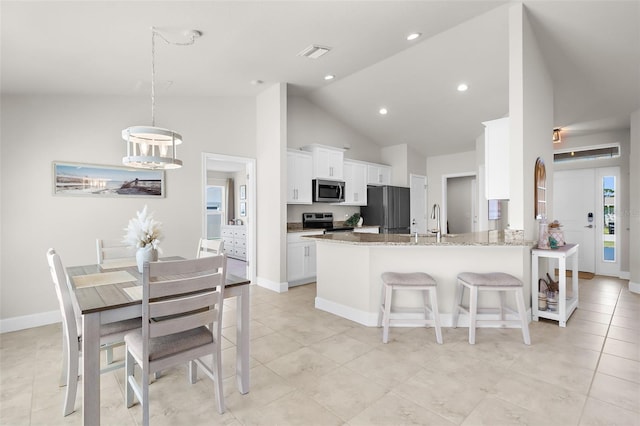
(540,190)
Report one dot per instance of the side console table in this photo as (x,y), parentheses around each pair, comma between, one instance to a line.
(566,305)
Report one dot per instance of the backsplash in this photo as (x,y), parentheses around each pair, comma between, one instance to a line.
(340,213)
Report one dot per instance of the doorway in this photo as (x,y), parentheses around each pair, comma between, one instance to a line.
(229,198)
(460,203)
(585,204)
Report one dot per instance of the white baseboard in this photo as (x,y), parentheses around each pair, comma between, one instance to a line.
(356,315)
(370,319)
(634,287)
(272,285)
(29,321)
(624,275)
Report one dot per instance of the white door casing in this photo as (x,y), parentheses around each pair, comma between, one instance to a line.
(418,196)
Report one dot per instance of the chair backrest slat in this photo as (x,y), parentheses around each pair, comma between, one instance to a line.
(207,248)
(166,287)
(184,304)
(109,250)
(181,323)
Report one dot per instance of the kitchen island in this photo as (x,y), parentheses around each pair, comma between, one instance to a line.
(349,266)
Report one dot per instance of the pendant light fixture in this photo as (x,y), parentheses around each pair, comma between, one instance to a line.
(151,147)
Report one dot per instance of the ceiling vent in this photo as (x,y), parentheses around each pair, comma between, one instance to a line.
(314,51)
(591,153)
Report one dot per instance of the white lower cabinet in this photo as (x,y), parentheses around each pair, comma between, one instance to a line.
(301,258)
(235,241)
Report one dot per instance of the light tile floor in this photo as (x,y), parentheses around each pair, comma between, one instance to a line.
(313,368)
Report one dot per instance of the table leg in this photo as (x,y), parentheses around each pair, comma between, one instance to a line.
(243,337)
(91,369)
(562,294)
(574,276)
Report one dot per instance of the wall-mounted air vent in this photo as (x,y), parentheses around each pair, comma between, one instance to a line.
(587,153)
(314,51)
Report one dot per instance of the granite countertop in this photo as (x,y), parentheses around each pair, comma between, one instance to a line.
(297,227)
(486,238)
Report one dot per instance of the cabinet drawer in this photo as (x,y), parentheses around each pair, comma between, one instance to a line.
(228,241)
(239,233)
(239,243)
(226,232)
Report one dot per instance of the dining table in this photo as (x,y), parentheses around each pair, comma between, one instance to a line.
(110,292)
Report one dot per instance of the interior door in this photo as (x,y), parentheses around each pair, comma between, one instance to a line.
(574,206)
(418,204)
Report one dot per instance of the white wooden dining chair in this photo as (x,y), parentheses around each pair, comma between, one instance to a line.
(110,334)
(113,250)
(182,305)
(209,248)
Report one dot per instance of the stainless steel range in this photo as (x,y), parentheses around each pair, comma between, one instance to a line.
(322,221)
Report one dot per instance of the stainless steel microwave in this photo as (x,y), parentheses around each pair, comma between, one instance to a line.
(328,191)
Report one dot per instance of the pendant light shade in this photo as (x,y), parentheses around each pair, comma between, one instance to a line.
(151,147)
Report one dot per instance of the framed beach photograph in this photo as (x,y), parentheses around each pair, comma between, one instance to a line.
(94,180)
(243,192)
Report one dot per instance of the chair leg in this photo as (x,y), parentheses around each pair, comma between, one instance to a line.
(502,295)
(217,368)
(473,314)
(129,365)
(145,395)
(523,316)
(73,365)
(108,355)
(436,314)
(382,299)
(65,362)
(457,302)
(387,315)
(193,372)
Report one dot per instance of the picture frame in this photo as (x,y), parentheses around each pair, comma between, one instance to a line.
(96,180)
(243,209)
(243,192)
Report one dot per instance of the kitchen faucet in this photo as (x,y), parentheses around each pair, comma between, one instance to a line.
(435,214)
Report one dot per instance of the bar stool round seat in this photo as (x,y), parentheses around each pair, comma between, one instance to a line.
(409,281)
(491,281)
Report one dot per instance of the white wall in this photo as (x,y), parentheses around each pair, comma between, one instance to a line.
(38,130)
(442,165)
(308,124)
(530,121)
(271,181)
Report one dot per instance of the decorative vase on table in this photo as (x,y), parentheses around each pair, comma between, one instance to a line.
(145,254)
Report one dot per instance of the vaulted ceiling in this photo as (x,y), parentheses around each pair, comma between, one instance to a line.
(592,50)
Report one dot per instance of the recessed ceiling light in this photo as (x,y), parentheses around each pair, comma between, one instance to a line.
(462,87)
(329,77)
(256,82)
(383,111)
(413,36)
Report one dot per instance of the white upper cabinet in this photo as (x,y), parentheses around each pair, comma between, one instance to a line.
(327,161)
(378,174)
(299,165)
(496,158)
(355,183)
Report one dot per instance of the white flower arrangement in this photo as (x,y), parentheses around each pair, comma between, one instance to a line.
(143,231)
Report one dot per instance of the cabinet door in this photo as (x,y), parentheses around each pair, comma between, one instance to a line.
(327,163)
(496,159)
(310,261)
(378,174)
(355,181)
(296,261)
(299,172)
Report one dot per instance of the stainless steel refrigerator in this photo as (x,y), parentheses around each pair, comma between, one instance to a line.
(389,207)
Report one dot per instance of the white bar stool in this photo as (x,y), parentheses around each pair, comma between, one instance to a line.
(493,281)
(409,281)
